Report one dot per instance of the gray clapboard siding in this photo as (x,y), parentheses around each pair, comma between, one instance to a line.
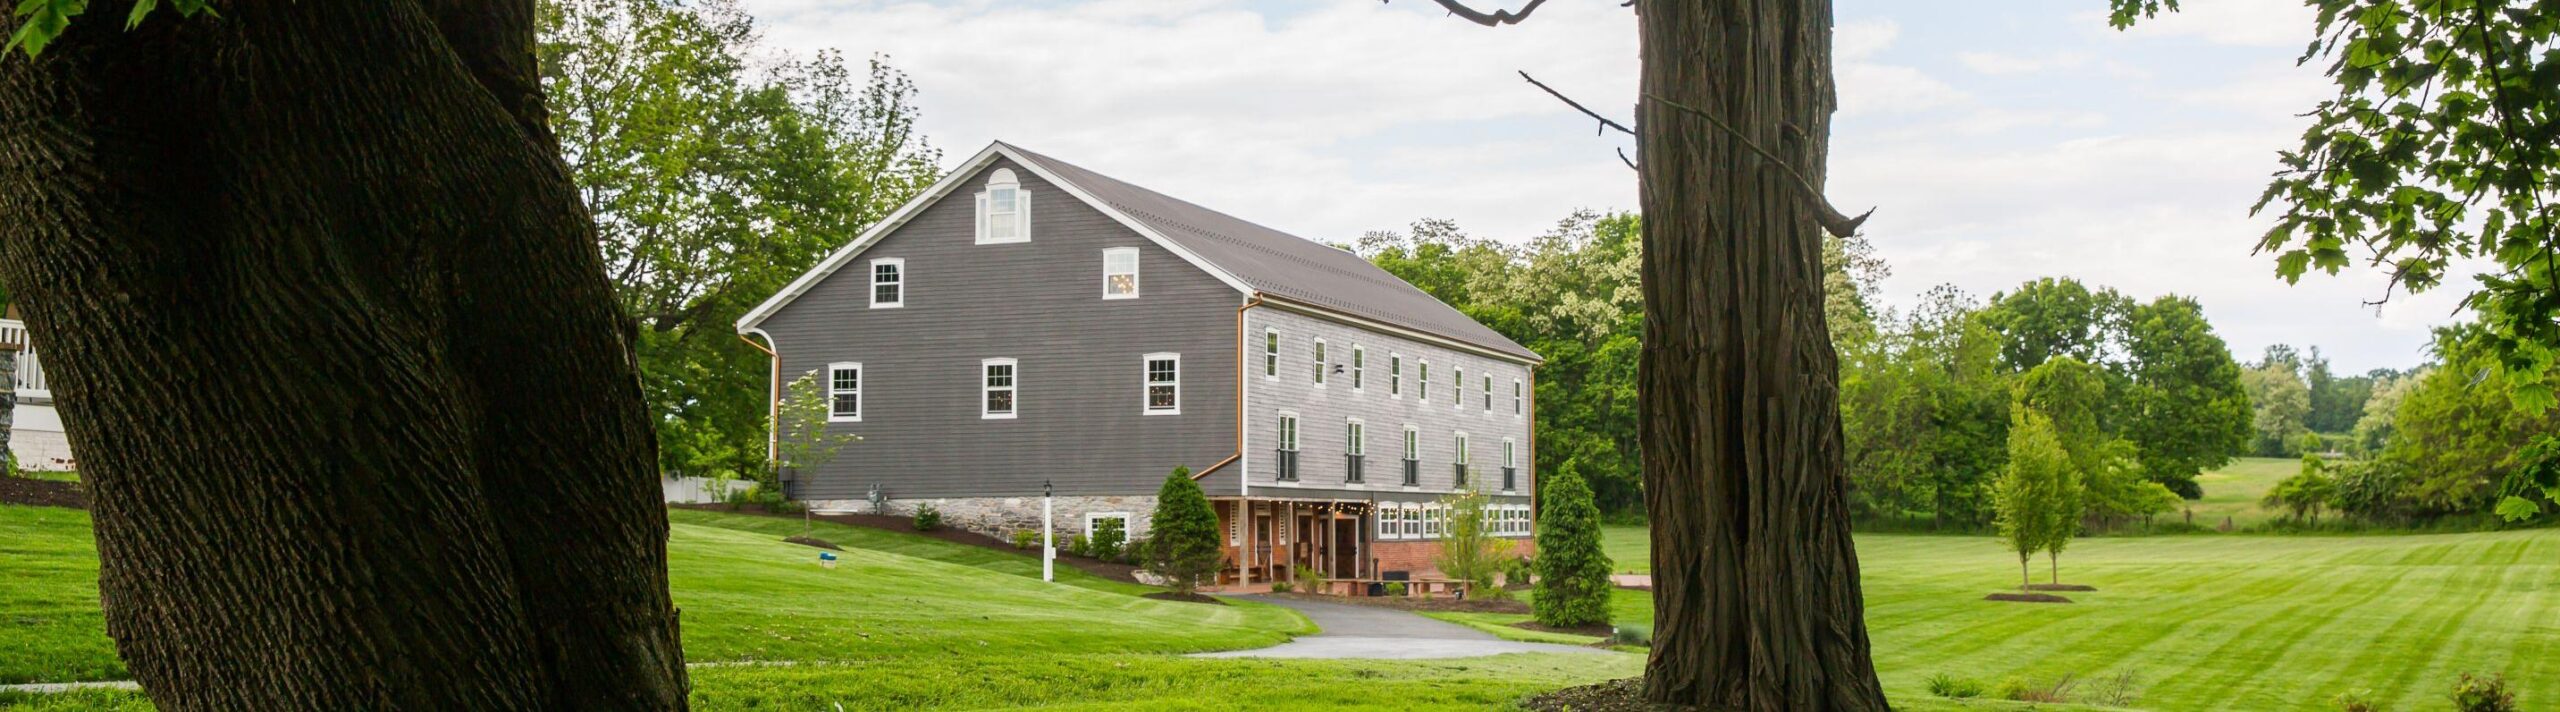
(1081,423)
(1325,412)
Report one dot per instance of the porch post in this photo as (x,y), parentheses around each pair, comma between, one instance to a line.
(1244,555)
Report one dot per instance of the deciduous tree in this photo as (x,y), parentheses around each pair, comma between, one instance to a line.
(2031,488)
(355,404)
(2190,413)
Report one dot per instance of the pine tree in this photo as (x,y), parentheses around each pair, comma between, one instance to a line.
(1573,571)
(1184,547)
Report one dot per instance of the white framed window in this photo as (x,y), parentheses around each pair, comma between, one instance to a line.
(1271,353)
(1319,358)
(1359,367)
(1395,375)
(999,383)
(1412,515)
(1412,442)
(1288,431)
(1355,438)
(1422,381)
(1287,458)
(888,283)
(1488,393)
(1004,210)
(1120,273)
(1462,449)
(1432,516)
(1163,394)
(1519,398)
(844,393)
(1510,453)
(1458,386)
(1092,519)
(1387,528)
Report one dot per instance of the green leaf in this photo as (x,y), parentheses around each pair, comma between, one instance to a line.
(2518,509)
(141,9)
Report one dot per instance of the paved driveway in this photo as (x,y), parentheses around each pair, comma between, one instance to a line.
(1348,631)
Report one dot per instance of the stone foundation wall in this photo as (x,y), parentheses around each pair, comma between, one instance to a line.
(1000,517)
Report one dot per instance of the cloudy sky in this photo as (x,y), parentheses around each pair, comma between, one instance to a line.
(1999,140)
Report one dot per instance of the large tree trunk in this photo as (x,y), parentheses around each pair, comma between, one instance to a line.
(326,323)
(1756,598)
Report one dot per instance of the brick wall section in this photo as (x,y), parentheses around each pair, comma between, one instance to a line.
(1418,556)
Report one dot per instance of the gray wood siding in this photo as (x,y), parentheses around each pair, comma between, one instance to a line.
(1324,413)
(1081,421)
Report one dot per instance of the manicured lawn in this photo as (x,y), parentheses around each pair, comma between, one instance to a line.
(50,627)
(2233,491)
(2218,622)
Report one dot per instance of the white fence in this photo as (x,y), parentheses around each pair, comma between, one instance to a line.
(30,367)
(696,490)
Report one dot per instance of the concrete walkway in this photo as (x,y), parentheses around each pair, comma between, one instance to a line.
(1346,631)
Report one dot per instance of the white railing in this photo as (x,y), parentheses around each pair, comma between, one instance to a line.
(30,369)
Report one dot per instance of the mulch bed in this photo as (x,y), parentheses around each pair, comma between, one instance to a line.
(2060,587)
(812,541)
(1186,598)
(1601,630)
(42,493)
(1472,605)
(2026,598)
(1107,569)
(1613,696)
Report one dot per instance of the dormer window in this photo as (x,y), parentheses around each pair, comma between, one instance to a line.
(1004,210)
(1120,273)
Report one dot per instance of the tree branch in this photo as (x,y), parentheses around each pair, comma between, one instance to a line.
(1496,18)
(1837,223)
(1605,122)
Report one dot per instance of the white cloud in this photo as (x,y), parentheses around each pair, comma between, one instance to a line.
(2000,63)
(2249,23)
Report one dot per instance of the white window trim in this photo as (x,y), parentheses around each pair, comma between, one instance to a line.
(1390,525)
(1461,444)
(1422,383)
(1128,522)
(1510,453)
(832,392)
(1519,396)
(1146,366)
(1488,393)
(1458,387)
(1395,375)
(1288,432)
(1317,352)
(1136,284)
(1003,178)
(983,389)
(1270,353)
(1359,368)
(901,264)
(1359,445)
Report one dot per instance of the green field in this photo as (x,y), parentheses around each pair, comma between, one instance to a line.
(2201,622)
(2213,622)
(2233,492)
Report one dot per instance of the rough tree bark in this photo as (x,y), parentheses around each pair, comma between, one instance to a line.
(325,321)
(1756,595)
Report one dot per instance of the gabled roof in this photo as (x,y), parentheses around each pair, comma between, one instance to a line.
(1244,255)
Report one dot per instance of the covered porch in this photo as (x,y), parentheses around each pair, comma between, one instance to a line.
(1275,539)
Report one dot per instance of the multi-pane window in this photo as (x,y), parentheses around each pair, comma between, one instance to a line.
(1288,451)
(1458,385)
(1422,382)
(1359,367)
(888,283)
(1004,210)
(1412,521)
(1164,384)
(1488,394)
(998,387)
(1461,468)
(1519,401)
(1390,525)
(1395,375)
(1431,518)
(1510,464)
(1120,273)
(1355,448)
(1271,353)
(1319,357)
(1412,456)
(844,392)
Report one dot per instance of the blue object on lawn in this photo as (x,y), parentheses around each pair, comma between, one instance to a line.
(826,556)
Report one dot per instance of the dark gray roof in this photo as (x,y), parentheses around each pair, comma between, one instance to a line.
(1281,264)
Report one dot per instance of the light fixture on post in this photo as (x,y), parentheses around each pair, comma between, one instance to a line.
(1048,542)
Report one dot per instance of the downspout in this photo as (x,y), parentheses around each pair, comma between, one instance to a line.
(1242,483)
(772,403)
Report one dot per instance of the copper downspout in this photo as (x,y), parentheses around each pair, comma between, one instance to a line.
(772,403)
(1240,381)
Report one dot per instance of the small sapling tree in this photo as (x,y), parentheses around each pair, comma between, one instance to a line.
(1468,550)
(1184,547)
(2029,491)
(803,441)
(1573,571)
